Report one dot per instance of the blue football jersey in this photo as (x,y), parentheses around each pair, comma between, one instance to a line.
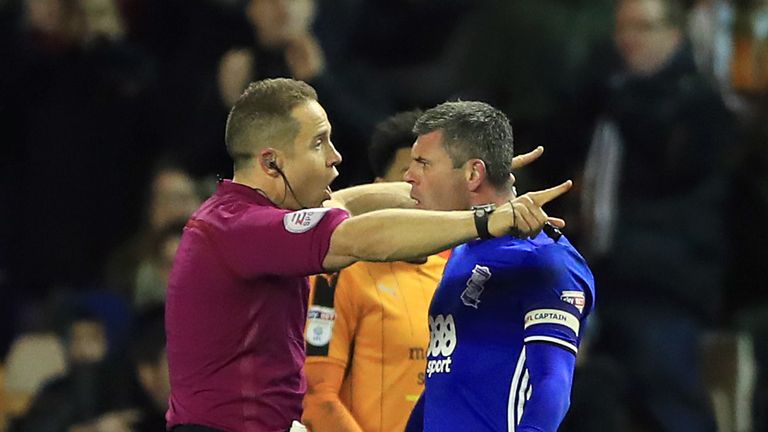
(495,297)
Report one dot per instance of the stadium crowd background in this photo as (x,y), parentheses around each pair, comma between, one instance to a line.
(111,133)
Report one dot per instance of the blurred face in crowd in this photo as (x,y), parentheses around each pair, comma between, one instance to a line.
(102,19)
(435,183)
(61,18)
(173,198)
(168,251)
(44,15)
(88,342)
(399,166)
(279,21)
(165,254)
(155,380)
(644,36)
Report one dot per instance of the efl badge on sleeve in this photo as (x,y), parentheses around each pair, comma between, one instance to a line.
(320,325)
(303,220)
(575,298)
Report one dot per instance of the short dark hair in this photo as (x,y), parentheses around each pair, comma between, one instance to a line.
(473,130)
(391,135)
(261,117)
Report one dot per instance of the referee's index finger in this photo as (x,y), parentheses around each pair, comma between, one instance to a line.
(542,197)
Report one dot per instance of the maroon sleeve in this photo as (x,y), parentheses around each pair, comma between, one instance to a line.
(278,242)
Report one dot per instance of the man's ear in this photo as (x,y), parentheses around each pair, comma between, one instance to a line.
(268,161)
(475,173)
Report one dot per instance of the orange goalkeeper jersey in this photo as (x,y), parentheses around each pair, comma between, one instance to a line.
(371,319)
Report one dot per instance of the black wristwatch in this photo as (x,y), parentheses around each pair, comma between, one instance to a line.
(481,213)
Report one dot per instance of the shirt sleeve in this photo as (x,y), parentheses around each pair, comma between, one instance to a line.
(332,320)
(551,377)
(553,303)
(278,242)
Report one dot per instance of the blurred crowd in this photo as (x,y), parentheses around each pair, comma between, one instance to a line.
(112,116)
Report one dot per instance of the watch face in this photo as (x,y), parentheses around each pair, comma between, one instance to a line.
(484,209)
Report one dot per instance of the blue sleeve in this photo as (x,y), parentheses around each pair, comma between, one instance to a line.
(551,376)
(416,420)
(556,298)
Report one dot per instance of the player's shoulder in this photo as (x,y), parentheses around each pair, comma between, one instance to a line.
(554,252)
(354,283)
(543,257)
(509,249)
(229,209)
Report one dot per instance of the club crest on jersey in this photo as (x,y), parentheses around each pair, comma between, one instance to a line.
(575,298)
(303,220)
(475,286)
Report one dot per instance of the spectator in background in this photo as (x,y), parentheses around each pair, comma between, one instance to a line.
(85,402)
(406,49)
(365,332)
(152,273)
(542,47)
(210,50)
(537,45)
(150,367)
(102,21)
(653,200)
(173,196)
(94,383)
(286,46)
(139,269)
(34,358)
(747,283)
(187,39)
(77,120)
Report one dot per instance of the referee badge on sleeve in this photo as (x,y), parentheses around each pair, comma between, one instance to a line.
(303,220)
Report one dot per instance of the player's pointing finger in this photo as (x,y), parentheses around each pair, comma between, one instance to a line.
(525,159)
(542,197)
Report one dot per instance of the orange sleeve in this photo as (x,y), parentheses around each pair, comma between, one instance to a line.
(323,410)
(341,297)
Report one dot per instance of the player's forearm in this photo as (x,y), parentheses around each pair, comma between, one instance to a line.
(551,375)
(395,235)
(545,411)
(328,415)
(370,197)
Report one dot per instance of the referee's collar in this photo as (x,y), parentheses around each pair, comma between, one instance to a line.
(254,195)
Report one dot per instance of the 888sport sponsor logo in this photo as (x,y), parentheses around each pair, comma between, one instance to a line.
(442,343)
